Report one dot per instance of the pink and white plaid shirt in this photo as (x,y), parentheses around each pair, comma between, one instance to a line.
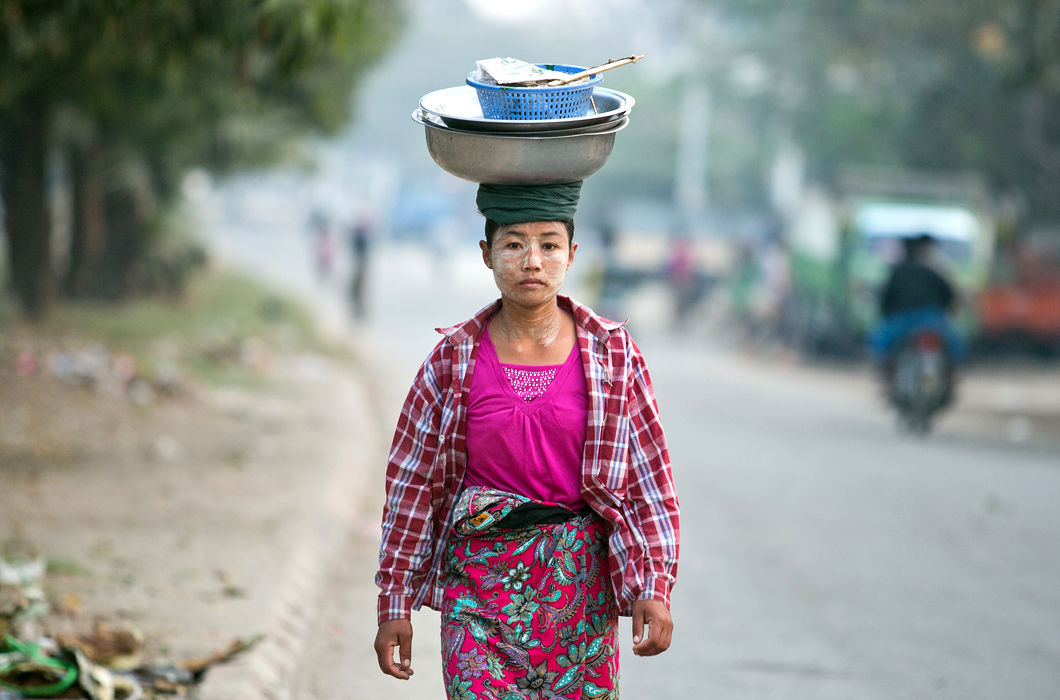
(626,474)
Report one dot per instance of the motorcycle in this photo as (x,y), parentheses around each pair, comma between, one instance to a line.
(920,382)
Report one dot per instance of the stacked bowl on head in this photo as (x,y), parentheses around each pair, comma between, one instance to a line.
(504,135)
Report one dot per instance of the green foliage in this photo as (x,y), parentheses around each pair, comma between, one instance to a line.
(66,567)
(952,83)
(224,84)
(143,91)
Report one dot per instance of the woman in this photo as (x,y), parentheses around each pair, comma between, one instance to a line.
(529,493)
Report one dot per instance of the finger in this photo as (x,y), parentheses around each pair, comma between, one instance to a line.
(638,626)
(393,668)
(405,652)
(667,631)
(665,636)
(649,648)
(380,656)
(386,660)
(655,644)
(647,641)
(384,657)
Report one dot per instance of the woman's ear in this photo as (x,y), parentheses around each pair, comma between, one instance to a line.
(485,254)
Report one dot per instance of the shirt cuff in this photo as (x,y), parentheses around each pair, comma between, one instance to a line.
(657,588)
(393,607)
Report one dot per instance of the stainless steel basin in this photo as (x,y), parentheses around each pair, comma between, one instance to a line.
(507,159)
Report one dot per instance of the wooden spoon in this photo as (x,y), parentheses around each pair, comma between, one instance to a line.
(613,63)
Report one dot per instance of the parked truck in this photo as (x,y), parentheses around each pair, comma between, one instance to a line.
(842,239)
(1019,310)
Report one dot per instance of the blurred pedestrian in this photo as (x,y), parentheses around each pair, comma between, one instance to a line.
(683,275)
(529,492)
(771,298)
(612,285)
(362,232)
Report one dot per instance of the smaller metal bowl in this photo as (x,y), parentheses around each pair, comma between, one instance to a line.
(433,119)
(459,108)
(518,160)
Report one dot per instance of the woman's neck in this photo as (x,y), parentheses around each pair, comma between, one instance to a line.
(538,336)
(539,326)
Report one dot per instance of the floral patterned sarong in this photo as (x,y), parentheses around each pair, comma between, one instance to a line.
(528,612)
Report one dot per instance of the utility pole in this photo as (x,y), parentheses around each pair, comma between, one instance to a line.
(691,179)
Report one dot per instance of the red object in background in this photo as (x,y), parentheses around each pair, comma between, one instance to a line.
(27,363)
(1029,305)
(1029,309)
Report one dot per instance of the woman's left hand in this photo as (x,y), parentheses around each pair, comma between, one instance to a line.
(660,626)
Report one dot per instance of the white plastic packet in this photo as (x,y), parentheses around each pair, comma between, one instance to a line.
(512,71)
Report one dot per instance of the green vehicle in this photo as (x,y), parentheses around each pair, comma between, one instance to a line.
(842,242)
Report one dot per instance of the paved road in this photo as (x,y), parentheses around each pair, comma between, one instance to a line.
(824,556)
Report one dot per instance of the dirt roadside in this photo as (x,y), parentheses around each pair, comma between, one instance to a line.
(195,519)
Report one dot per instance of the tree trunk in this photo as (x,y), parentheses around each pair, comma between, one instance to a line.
(124,244)
(88,230)
(27,221)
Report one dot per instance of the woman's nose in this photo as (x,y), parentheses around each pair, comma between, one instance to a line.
(532,260)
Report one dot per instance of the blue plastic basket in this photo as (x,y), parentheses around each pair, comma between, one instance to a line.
(561,102)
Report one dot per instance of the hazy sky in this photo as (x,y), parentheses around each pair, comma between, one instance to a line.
(516,11)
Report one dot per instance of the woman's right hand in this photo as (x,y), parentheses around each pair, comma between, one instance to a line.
(391,634)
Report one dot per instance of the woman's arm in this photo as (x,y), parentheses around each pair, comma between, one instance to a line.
(651,495)
(406,524)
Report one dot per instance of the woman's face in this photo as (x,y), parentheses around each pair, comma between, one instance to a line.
(529,261)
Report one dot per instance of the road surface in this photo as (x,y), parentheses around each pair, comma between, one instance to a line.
(823,554)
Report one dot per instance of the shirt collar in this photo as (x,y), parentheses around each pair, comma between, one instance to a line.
(585,317)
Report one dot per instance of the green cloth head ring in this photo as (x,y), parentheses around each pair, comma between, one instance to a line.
(519,204)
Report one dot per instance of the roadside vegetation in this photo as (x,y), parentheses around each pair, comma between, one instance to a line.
(224,329)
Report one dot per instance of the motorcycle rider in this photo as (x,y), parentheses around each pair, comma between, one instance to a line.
(914,283)
(915,296)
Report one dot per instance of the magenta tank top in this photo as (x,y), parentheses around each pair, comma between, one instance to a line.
(533,448)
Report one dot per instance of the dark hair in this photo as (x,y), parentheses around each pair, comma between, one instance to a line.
(492,226)
(917,245)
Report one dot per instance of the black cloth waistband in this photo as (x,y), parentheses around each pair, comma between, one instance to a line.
(531,514)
